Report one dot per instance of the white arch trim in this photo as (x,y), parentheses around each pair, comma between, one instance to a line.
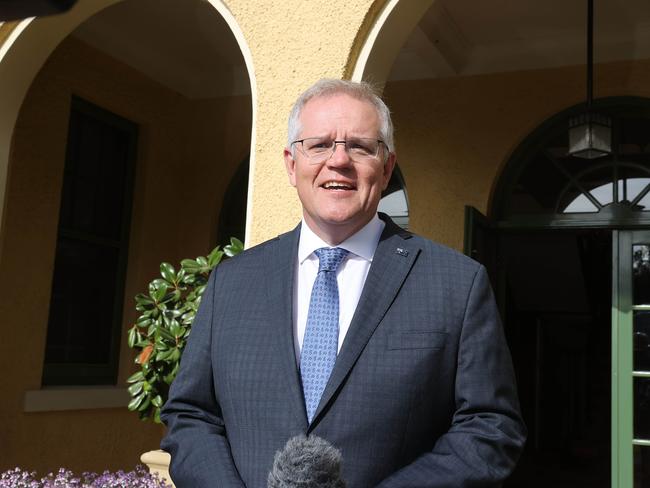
(30,44)
(389,32)
(248,59)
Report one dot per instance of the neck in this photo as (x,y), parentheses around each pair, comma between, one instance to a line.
(333,235)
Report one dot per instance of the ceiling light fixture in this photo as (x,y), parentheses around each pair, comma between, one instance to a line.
(590,133)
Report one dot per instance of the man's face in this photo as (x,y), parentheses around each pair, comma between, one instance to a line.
(339,196)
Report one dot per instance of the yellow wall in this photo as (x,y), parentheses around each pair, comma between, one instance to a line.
(188,151)
(454,135)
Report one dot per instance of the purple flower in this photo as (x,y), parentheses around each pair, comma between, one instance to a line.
(138,478)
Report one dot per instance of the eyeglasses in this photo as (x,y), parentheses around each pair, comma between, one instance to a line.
(359,149)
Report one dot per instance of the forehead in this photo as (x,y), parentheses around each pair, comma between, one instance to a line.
(339,113)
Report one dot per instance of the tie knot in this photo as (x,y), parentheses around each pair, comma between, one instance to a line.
(329,258)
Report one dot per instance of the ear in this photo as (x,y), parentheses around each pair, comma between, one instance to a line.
(290,166)
(389,166)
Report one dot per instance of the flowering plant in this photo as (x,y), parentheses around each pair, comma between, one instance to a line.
(138,478)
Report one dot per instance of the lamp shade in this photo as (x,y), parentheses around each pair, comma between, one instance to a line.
(590,135)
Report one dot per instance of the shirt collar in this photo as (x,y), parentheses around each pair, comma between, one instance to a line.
(363,243)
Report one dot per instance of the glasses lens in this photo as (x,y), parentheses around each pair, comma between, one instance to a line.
(359,149)
(317,148)
(362,149)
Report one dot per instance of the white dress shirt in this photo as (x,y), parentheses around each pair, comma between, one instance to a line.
(350,276)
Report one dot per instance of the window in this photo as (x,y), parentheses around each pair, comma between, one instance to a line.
(549,184)
(91,251)
(394,201)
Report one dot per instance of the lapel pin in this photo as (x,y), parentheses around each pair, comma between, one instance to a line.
(401,252)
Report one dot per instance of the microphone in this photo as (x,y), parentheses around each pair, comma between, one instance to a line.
(306,462)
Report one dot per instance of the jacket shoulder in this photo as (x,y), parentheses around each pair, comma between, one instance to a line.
(442,255)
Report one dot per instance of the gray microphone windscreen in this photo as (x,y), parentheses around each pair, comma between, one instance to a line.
(306,462)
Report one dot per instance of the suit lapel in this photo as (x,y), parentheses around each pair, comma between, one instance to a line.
(282,258)
(391,265)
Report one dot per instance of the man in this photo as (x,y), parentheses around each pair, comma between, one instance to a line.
(411,379)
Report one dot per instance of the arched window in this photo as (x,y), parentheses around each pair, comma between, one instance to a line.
(544,185)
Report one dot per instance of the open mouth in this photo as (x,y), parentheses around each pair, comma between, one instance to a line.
(338,186)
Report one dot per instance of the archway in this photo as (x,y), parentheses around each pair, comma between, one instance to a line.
(560,225)
(60,76)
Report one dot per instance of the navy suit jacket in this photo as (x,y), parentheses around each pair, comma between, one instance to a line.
(422,393)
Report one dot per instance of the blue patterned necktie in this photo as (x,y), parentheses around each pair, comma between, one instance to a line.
(322,332)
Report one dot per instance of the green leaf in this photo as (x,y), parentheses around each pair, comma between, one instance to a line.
(174,313)
(175,355)
(136,402)
(159,292)
(156,416)
(190,266)
(180,276)
(175,328)
(157,401)
(135,388)
(167,271)
(133,336)
(169,297)
(143,321)
(145,404)
(165,334)
(137,376)
(163,355)
(235,247)
(215,257)
(142,299)
(203,262)
(158,282)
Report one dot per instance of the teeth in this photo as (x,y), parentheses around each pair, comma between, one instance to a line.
(336,185)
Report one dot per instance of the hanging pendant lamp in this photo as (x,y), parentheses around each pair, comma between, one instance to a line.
(590,133)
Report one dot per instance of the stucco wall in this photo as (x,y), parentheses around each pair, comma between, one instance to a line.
(187,152)
(454,135)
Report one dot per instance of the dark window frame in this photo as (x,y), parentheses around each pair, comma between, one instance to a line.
(82,373)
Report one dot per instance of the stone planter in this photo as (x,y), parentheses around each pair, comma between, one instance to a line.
(158,463)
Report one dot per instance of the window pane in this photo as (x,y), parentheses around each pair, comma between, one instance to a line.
(92,198)
(642,341)
(642,408)
(641,466)
(577,203)
(641,274)
(631,181)
(599,183)
(644,203)
(83,299)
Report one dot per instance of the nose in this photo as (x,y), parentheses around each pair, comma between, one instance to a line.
(339,155)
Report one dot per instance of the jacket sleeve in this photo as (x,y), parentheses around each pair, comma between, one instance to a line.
(487,433)
(196,437)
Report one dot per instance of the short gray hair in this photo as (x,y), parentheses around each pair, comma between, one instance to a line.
(327,87)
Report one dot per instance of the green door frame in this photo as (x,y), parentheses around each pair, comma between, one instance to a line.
(623,373)
(622,349)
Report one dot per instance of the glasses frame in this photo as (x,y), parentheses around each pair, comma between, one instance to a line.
(333,149)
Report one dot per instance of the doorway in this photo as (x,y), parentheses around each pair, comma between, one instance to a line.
(568,251)
(554,289)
